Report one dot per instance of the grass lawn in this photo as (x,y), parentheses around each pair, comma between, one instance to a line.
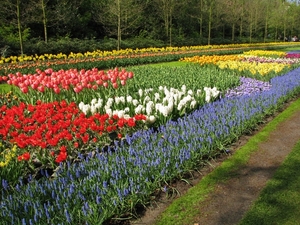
(289,49)
(4,88)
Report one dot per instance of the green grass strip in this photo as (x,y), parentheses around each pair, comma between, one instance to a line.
(182,211)
(5,88)
(279,202)
(163,64)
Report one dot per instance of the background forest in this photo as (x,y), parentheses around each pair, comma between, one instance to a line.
(54,26)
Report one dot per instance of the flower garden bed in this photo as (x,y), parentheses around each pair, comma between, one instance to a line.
(91,145)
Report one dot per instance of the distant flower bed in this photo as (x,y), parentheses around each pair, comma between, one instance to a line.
(255,62)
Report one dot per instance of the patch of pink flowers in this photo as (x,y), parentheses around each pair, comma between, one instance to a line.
(286,60)
(293,55)
(74,79)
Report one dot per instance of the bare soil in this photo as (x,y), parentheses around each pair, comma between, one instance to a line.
(232,199)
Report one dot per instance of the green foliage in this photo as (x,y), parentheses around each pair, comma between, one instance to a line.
(9,34)
(9,38)
(193,76)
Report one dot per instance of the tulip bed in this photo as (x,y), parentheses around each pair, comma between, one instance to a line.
(85,146)
(124,57)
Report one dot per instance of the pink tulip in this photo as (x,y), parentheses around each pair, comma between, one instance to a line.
(41,88)
(24,89)
(34,86)
(115,85)
(49,71)
(99,82)
(56,90)
(130,75)
(18,74)
(76,90)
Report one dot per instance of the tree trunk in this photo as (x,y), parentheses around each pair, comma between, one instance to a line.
(209,24)
(250,34)
(170,38)
(19,28)
(119,25)
(266,30)
(201,21)
(44,21)
(233,30)
(241,22)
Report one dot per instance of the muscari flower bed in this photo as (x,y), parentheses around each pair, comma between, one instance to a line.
(104,185)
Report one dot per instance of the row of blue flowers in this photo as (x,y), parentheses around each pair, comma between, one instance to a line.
(103,185)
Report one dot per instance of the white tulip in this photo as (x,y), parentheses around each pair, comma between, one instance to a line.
(122,99)
(100,101)
(151,119)
(93,109)
(86,109)
(109,112)
(117,100)
(138,109)
(149,107)
(135,102)
(140,92)
(199,92)
(98,106)
(121,113)
(190,92)
(129,98)
(156,97)
(193,104)
(147,99)
(180,106)
(81,105)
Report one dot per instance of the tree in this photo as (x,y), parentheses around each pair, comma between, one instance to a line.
(37,14)
(14,17)
(118,16)
(254,18)
(214,18)
(166,12)
(231,13)
(209,17)
(201,9)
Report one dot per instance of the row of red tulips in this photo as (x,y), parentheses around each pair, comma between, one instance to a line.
(53,132)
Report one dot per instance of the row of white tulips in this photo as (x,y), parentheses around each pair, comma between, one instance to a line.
(155,105)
